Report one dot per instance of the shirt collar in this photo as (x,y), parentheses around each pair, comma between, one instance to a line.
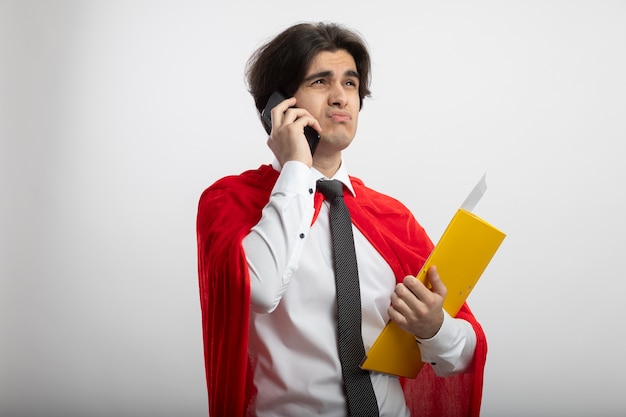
(340,175)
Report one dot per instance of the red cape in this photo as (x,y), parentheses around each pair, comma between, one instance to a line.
(227,211)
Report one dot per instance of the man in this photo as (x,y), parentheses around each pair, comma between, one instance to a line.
(267,281)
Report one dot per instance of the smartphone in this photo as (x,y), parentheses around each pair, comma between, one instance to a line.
(278,96)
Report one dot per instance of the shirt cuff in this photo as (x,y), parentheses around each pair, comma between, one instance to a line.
(451,350)
(295,178)
(441,342)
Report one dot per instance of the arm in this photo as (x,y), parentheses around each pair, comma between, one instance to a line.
(274,245)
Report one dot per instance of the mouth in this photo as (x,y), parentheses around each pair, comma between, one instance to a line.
(339,116)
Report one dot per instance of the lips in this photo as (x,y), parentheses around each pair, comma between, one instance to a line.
(339,116)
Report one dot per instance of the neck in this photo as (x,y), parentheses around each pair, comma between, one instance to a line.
(327,166)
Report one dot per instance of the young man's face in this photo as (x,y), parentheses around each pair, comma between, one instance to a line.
(330,92)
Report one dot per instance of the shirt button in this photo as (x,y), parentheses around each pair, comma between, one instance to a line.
(310,190)
(301,235)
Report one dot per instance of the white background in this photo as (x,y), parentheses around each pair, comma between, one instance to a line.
(115,115)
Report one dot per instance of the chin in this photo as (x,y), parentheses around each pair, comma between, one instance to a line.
(339,137)
(335,145)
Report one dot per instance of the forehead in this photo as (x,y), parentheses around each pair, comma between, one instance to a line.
(337,62)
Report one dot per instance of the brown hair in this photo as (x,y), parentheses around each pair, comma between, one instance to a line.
(282,62)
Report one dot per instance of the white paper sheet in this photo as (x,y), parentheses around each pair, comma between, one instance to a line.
(476,194)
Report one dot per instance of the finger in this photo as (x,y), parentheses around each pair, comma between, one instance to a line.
(419,290)
(397,317)
(302,118)
(278,112)
(312,121)
(400,300)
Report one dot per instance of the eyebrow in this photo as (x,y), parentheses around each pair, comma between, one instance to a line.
(326,74)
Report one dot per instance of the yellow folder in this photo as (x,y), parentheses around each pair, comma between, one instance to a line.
(462,254)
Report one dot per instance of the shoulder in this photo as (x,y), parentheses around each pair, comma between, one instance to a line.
(389,224)
(241,196)
(248,184)
(375,200)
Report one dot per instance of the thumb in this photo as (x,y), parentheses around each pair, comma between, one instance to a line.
(437,285)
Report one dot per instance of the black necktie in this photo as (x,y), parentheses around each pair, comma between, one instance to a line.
(357,382)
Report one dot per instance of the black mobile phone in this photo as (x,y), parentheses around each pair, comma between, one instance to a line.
(266,116)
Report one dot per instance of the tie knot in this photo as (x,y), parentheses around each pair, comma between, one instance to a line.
(330,188)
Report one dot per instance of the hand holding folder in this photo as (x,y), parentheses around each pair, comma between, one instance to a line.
(461,255)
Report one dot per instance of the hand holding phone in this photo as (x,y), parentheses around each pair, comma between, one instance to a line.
(277,97)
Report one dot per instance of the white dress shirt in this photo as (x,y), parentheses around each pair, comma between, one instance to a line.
(293,336)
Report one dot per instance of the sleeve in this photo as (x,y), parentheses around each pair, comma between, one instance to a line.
(274,245)
(451,350)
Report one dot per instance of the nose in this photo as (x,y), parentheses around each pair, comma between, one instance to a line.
(337,96)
